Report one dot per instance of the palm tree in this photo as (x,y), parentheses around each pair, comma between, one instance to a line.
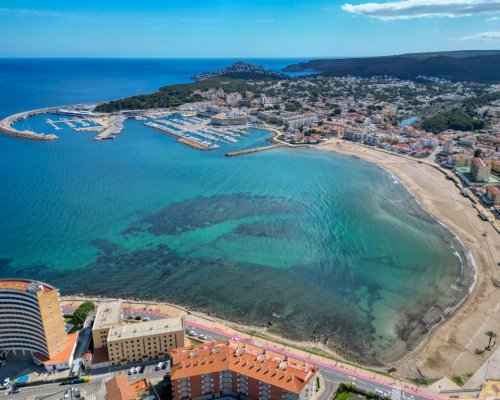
(492,335)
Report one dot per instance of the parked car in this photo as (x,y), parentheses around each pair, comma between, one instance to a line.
(381,393)
(14,390)
(131,371)
(164,365)
(146,319)
(159,366)
(192,333)
(137,369)
(142,369)
(6,381)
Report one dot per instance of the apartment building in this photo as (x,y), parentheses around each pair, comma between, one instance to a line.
(108,315)
(119,342)
(230,368)
(31,321)
(143,341)
(480,170)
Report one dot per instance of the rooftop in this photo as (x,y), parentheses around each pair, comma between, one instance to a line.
(108,315)
(495,190)
(265,366)
(63,356)
(479,161)
(149,328)
(118,388)
(24,285)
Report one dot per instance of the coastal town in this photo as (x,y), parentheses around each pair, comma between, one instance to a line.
(460,133)
(441,138)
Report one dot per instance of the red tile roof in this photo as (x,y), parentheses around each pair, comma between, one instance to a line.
(479,161)
(61,357)
(118,388)
(226,355)
(495,190)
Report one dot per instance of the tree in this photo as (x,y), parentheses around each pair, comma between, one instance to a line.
(81,313)
(491,335)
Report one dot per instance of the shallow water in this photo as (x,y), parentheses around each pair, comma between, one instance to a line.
(307,243)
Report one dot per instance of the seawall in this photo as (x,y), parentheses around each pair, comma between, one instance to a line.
(254,150)
(6,125)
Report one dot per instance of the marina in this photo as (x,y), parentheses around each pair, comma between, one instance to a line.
(197,132)
(189,129)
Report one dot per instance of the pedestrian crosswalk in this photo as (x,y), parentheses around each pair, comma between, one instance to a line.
(396,394)
(91,397)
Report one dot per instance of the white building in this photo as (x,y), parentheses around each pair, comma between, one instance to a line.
(447,147)
(469,141)
(268,101)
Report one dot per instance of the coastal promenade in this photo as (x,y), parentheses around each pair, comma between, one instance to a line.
(334,370)
(6,125)
(451,347)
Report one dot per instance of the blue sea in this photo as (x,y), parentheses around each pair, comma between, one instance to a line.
(305,243)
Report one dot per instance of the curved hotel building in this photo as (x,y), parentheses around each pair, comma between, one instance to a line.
(31,321)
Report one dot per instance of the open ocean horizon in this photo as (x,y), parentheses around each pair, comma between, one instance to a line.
(304,243)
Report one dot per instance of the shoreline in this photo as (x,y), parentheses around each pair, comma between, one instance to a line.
(432,351)
(449,346)
(222,324)
(306,351)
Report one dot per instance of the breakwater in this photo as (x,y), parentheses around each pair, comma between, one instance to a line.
(6,125)
(254,150)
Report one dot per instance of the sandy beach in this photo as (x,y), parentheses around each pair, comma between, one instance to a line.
(449,350)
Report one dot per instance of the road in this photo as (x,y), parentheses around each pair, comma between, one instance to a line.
(331,371)
(92,390)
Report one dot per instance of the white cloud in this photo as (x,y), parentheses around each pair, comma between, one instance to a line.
(493,19)
(407,9)
(480,36)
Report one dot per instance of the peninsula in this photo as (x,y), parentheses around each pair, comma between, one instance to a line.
(479,66)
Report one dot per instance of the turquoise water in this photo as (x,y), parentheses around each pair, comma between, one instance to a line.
(306,243)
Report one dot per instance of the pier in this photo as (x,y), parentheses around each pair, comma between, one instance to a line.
(114,127)
(198,131)
(254,150)
(182,137)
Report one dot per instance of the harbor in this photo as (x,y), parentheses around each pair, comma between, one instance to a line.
(197,132)
(79,118)
(189,129)
(7,128)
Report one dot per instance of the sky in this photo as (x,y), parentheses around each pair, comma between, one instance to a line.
(244,28)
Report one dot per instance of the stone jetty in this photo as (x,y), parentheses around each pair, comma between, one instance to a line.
(6,125)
